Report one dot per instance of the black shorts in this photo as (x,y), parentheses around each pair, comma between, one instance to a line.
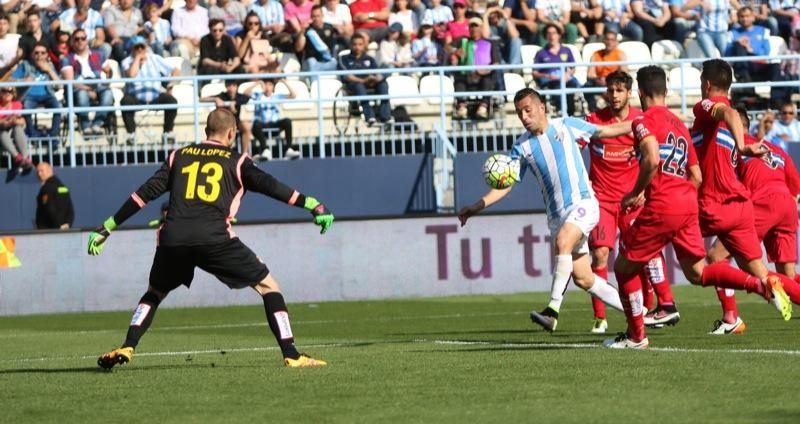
(231,262)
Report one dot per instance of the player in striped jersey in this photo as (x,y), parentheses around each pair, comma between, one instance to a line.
(549,150)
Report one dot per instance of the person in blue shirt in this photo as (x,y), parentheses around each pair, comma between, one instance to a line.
(752,40)
(39,68)
(356,85)
(549,151)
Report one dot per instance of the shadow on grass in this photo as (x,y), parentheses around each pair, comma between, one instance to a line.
(138,368)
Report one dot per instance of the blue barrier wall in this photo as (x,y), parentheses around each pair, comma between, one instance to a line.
(350,187)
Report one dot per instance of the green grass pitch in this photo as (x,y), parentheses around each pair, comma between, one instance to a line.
(462,359)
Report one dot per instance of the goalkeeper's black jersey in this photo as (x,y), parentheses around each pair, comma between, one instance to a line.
(206,182)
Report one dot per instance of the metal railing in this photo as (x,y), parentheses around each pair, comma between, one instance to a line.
(321,142)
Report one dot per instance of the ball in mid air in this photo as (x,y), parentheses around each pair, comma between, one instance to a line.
(500,171)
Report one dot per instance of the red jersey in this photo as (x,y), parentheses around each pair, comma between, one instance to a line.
(367,6)
(717,154)
(769,174)
(669,192)
(613,168)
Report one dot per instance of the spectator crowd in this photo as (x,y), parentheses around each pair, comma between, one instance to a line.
(79,39)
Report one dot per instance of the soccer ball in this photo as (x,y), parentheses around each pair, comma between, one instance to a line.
(500,171)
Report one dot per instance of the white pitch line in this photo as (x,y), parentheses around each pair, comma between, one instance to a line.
(260,324)
(420,341)
(598,345)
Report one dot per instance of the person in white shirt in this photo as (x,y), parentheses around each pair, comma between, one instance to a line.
(189,25)
(338,15)
(404,16)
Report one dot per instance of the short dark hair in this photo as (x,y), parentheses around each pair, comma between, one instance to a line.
(316,7)
(718,72)
(4,17)
(652,81)
(77,30)
(359,35)
(619,77)
(745,117)
(219,121)
(743,8)
(529,92)
(215,21)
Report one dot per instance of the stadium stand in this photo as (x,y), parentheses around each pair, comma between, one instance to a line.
(421,91)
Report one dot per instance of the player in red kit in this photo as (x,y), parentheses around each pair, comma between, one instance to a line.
(725,207)
(669,214)
(613,171)
(774,185)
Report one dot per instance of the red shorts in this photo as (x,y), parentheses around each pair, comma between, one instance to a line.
(733,224)
(611,219)
(776,226)
(652,230)
(604,233)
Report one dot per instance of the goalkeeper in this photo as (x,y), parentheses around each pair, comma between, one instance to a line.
(206,182)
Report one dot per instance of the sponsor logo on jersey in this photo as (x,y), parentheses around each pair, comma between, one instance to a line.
(617,153)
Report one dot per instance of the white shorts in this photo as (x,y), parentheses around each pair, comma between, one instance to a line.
(584,213)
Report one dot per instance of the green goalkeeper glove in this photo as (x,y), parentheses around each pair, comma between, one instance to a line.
(322,216)
(98,237)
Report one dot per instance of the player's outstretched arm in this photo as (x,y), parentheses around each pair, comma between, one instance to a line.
(613,130)
(150,190)
(493,196)
(259,181)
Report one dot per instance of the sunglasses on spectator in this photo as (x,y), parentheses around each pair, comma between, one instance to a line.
(787,112)
(78,38)
(254,23)
(217,29)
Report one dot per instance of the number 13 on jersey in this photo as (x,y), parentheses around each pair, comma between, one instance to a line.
(207,190)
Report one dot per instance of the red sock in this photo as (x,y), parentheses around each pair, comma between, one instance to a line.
(597,304)
(728,302)
(789,286)
(723,275)
(648,295)
(630,293)
(657,277)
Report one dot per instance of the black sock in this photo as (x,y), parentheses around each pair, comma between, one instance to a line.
(142,318)
(278,319)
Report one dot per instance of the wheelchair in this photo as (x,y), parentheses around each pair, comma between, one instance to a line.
(347,114)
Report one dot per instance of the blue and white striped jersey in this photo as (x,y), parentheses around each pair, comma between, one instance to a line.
(715,19)
(155,66)
(555,159)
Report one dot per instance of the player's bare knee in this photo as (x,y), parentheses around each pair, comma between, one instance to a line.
(267,285)
(600,257)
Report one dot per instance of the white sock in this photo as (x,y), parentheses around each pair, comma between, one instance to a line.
(560,280)
(605,292)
